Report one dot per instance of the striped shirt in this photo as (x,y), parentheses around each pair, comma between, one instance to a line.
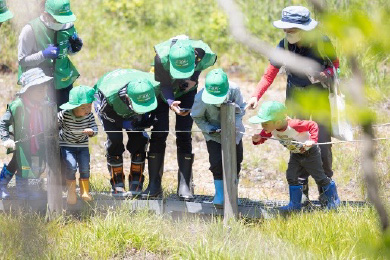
(71,128)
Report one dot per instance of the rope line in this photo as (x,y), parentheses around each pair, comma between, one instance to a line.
(200,131)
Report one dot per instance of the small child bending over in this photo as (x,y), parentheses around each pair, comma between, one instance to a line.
(77,124)
(206,113)
(300,137)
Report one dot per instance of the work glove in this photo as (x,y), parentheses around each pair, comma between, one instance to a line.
(9,144)
(75,43)
(215,130)
(51,52)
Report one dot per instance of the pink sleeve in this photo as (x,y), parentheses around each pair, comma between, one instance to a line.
(264,138)
(305,126)
(266,81)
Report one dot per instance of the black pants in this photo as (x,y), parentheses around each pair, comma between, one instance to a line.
(215,158)
(309,162)
(183,123)
(312,101)
(62,95)
(114,146)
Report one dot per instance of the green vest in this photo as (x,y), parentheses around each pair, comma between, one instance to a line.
(64,72)
(208,60)
(113,81)
(31,166)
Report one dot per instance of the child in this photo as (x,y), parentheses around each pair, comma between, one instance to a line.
(77,123)
(206,114)
(24,116)
(299,136)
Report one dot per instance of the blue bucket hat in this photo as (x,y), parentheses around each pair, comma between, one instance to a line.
(296,17)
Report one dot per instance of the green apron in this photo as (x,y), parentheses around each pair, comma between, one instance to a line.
(113,81)
(29,166)
(62,69)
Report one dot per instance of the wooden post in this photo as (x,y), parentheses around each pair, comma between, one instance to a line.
(54,181)
(229,159)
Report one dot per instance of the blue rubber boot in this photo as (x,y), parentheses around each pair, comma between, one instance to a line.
(295,199)
(218,197)
(330,192)
(5,178)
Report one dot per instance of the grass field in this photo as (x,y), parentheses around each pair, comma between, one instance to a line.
(120,33)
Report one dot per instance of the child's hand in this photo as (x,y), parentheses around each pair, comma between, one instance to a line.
(256,138)
(88,131)
(308,143)
(9,144)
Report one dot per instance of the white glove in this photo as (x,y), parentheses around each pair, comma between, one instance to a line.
(9,144)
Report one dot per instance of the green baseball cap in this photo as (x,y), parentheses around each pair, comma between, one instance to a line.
(60,10)
(5,14)
(78,96)
(142,95)
(269,111)
(182,60)
(216,87)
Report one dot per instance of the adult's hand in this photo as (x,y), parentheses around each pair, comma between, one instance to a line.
(75,43)
(51,52)
(176,108)
(252,103)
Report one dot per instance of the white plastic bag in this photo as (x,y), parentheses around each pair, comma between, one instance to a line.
(341,128)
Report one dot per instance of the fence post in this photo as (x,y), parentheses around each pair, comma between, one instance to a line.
(229,159)
(54,179)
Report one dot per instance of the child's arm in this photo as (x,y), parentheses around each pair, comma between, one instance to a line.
(5,123)
(305,126)
(240,105)
(198,114)
(260,138)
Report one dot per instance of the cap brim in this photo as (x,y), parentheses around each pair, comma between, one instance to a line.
(256,120)
(65,18)
(181,74)
(144,107)
(6,16)
(68,106)
(285,25)
(211,99)
(35,83)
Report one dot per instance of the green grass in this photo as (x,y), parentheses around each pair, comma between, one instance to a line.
(347,234)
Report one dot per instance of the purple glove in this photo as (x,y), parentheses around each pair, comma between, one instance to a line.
(51,52)
(127,124)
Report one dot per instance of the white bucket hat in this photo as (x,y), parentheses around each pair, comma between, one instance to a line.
(296,17)
(33,77)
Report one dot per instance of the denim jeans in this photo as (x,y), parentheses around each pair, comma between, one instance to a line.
(73,157)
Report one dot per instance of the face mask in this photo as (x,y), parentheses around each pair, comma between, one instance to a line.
(55,26)
(293,37)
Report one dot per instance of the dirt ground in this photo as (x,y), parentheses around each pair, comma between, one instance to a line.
(263,168)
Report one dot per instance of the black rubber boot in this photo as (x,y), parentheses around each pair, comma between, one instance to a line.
(115,167)
(156,168)
(136,177)
(185,187)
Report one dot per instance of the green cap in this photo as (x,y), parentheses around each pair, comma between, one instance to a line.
(60,10)
(78,96)
(182,60)
(269,111)
(142,95)
(5,14)
(216,88)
